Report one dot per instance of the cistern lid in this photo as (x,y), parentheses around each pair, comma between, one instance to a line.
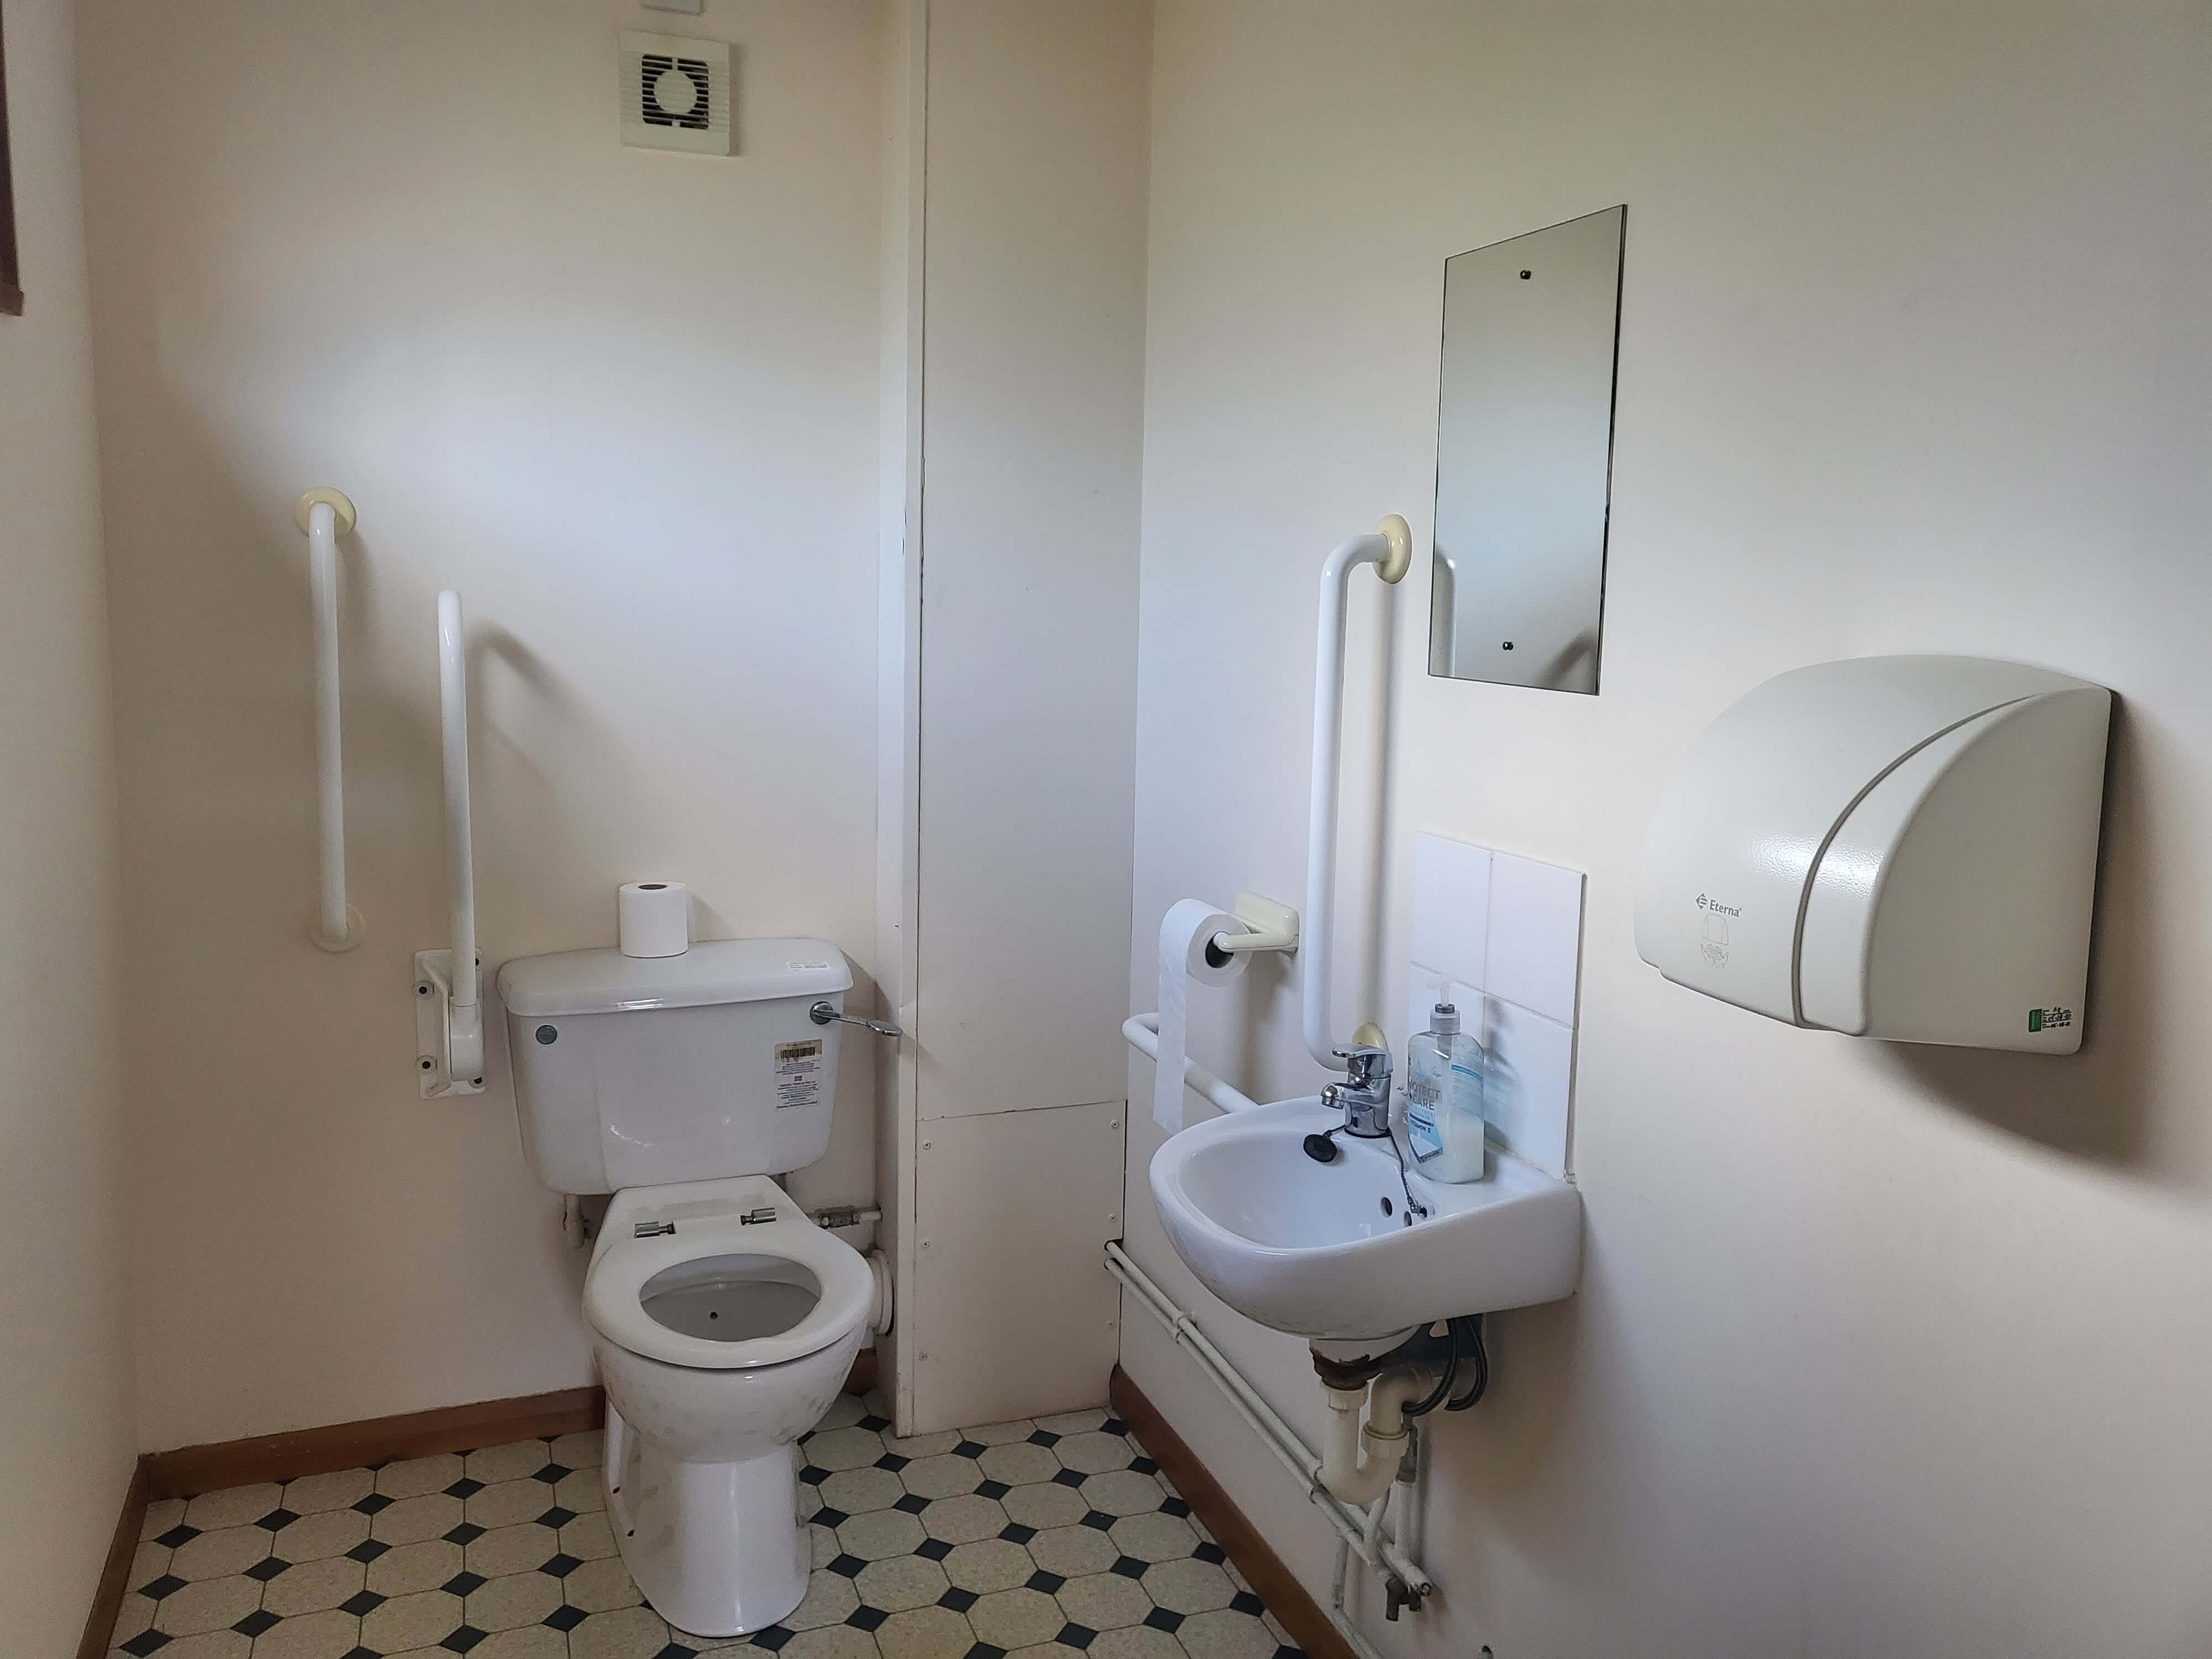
(606,981)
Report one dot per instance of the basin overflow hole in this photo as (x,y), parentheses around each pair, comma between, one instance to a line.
(1386,1206)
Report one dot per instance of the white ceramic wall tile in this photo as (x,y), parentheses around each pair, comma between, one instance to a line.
(1528,1083)
(1536,935)
(1501,936)
(1424,988)
(1451,907)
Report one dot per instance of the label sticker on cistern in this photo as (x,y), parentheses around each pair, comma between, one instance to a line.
(798,1073)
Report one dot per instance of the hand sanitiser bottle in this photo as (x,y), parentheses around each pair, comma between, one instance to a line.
(1445,1125)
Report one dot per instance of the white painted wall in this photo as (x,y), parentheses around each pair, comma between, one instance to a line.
(67,1443)
(1879,1349)
(626,402)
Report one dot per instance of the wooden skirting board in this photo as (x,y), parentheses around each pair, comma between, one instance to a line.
(1286,1598)
(115,1575)
(190,1470)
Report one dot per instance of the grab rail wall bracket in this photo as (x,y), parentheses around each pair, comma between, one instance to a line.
(435,1047)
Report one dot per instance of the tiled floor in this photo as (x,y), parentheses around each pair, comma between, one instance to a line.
(1041,1540)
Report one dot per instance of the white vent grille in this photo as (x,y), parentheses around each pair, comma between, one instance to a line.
(676,94)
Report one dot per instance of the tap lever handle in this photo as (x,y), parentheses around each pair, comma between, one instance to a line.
(1366,1067)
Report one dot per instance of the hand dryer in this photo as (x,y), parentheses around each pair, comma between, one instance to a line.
(1902,847)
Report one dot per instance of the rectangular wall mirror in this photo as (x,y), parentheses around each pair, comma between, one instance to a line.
(1525,456)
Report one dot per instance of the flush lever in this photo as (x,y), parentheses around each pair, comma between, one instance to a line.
(825,1013)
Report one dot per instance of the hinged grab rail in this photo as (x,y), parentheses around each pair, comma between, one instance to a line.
(449,1011)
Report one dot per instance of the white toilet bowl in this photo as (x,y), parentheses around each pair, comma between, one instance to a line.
(722,1334)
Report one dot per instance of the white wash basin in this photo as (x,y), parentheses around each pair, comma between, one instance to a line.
(1324,1250)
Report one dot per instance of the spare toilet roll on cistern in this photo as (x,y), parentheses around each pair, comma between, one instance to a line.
(1902,847)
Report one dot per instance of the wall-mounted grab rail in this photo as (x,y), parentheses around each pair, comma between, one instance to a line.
(1390,550)
(460,862)
(322,513)
(1142,1032)
(449,1017)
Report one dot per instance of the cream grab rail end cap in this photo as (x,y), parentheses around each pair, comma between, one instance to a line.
(334,498)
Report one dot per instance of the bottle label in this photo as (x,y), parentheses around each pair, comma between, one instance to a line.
(1421,1134)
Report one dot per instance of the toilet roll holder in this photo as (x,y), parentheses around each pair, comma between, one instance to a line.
(1271,926)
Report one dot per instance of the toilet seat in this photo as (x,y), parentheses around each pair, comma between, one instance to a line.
(729,1254)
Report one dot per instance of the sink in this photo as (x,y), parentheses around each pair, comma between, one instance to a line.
(1325,1250)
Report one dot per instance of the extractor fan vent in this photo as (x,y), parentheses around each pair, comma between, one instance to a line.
(676,94)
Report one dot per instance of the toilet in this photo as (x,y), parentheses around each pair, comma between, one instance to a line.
(723,1319)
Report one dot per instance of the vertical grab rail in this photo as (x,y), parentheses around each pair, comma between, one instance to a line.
(467,1017)
(1390,550)
(449,1017)
(321,514)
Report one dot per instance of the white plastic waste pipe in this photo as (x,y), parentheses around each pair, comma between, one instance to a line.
(465,1016)
(1339,1615)
(1389,549)
(1360,1461)
(1349,1524)
(322,513)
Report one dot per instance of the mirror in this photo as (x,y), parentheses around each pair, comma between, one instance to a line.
(1525,456)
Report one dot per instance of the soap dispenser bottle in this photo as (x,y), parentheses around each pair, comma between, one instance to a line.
(1444,1126)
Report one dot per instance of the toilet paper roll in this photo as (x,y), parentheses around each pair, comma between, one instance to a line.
(1186,956)
(655,918)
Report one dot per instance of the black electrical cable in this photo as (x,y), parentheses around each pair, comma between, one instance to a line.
(1479,1354)
(1444,1383)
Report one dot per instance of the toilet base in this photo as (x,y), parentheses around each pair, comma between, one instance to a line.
(716,1547)
(702,1481)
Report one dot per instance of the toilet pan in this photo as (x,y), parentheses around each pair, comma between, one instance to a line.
(721,1340)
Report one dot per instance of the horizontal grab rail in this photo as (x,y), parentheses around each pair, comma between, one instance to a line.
(1143,1032)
